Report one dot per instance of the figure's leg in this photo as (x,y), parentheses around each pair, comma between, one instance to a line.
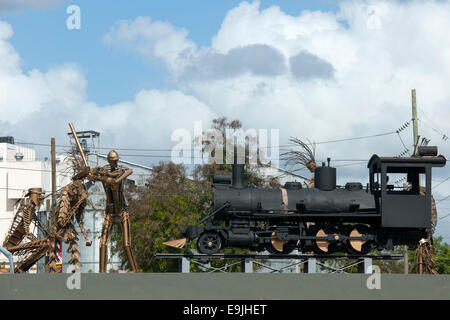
(80,216)
(53,256)
(73,247)
(107,223)
(127,240)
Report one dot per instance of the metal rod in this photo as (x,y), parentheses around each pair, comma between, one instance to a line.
(80,149)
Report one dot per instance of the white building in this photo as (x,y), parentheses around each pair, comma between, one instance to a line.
(20,171)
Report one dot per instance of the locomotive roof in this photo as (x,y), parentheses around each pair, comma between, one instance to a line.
(438,161)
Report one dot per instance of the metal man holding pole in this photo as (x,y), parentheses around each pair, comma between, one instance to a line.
(112,177)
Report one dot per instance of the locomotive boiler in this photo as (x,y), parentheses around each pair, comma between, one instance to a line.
(327,218)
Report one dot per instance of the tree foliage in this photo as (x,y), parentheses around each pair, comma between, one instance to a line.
(442,252)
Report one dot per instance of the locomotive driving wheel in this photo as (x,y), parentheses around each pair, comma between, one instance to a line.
(322,246)
(359,246)
(280,246)
(209,243)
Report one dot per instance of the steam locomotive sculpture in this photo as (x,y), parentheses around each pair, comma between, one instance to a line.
(324,219)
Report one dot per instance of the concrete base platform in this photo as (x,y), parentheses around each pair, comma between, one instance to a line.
(238,286)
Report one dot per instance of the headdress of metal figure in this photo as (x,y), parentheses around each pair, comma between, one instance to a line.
(112,177)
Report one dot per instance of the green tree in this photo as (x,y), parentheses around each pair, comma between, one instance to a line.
(442,252)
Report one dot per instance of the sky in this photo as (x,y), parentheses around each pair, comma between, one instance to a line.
(319,70)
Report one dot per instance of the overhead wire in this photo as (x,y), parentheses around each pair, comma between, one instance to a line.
(163,149)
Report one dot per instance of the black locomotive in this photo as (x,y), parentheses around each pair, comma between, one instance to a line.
(327,218)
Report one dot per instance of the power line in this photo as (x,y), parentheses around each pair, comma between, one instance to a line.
(356,138)
(443,199)
(441,183)
(14,189)
(163,149)
(67,175)
(433,126)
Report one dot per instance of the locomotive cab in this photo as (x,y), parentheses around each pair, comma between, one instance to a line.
(407,206)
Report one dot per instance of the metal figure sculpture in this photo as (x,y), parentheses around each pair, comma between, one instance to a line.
(72,202)
(112,177)
(25,245)
(19,241)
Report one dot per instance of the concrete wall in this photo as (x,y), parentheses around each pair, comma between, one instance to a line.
(161,286)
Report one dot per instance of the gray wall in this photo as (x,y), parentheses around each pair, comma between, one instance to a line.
(223,286)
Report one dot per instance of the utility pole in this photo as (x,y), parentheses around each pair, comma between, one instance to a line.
(416,147)
(47,222)
(414,119)
(53,176)
(416,144)
(53,179)
(50,209)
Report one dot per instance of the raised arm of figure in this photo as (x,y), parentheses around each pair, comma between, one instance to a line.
(124,175)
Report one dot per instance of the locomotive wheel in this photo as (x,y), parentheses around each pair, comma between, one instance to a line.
(280,246)
(209,243)
(359,246)
(320,246)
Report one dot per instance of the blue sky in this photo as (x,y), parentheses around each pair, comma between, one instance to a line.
(41,37)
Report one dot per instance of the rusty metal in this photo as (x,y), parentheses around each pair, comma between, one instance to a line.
(72,202)
(80,149)
(19,240)
(112,177)
(24,244)
(178,243)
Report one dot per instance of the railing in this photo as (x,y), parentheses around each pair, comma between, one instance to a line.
(10,258)
(309,262)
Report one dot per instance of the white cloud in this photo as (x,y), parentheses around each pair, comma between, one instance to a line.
(39,105)
(152,40)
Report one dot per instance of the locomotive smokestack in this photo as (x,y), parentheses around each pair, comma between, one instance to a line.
(325,177)
(237,174)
